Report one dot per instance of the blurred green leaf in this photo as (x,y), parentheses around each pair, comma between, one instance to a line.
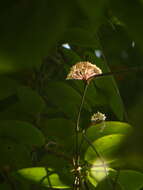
(70,56)
(130,179)
(59,130)
(94,10)
(80,37)
(68,99)
(31,102)
(42,176)
(133,22)
(13,154)
(23,132)
(108,87)
(5,186)
(29,30)
(8,87)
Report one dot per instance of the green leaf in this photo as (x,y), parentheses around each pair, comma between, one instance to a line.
(99,173)
(106,146)
(42,176)
(8,87)
(22,132)
(127,179)
(13,154)
(107,128)
(68,99)
(108,87)
(31,102)
(59,161)
(57,129)
(130,179)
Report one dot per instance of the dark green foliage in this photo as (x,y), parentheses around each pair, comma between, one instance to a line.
(39,42)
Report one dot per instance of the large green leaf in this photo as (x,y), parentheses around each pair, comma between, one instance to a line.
(106,146)
(13,155)
(108,87)
(130,179)
(15,112)
(42,176)
(60,162)
(127,179)
(99,173)
(31,102)
(65,97)
(107,128)
(59,130)
(22,132)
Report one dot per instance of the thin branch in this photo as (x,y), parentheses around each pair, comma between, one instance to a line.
(118,72)
(77,130)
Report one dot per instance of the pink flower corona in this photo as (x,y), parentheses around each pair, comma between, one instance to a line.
(83,71)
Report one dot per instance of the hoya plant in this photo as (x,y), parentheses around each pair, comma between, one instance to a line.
(71,95)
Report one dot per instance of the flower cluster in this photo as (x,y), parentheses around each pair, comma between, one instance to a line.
(83,71)
(98,117)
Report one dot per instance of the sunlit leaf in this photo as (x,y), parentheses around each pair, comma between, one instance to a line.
(42,176)
(107,146)
(107,128)
(99,173)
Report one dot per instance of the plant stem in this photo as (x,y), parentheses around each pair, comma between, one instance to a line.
(77,129)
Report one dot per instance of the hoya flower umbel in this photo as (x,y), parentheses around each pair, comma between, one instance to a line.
(83,71)
(98,117)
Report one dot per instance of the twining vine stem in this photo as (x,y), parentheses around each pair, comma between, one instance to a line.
(77,129)
(78,147)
